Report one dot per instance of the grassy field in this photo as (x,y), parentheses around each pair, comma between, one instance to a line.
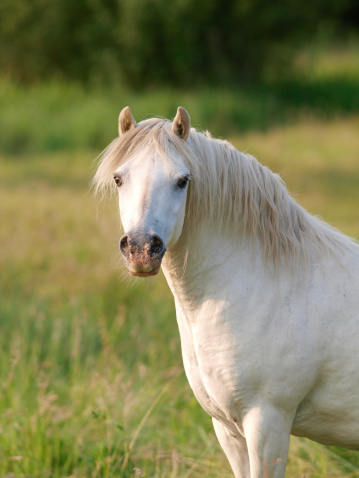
(91,376)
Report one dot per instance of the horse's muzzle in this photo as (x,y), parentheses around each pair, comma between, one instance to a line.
(142,255)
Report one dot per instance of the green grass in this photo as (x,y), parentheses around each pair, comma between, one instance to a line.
(91,377)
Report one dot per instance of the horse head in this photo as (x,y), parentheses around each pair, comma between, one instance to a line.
(152,197)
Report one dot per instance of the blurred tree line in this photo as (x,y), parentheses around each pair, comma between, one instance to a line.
(162,42)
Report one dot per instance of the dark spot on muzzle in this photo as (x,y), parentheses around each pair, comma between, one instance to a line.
(152,244)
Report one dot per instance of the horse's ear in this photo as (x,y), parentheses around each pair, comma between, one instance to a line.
(125,121)
(182,123)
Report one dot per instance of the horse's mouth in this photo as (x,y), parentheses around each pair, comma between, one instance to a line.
(144,268)
(144,274)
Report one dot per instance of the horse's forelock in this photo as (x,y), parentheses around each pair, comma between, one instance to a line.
(121,149)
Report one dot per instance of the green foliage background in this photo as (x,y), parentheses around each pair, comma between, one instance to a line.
(142,43)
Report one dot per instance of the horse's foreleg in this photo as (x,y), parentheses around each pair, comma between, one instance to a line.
(235,448)
(267,432)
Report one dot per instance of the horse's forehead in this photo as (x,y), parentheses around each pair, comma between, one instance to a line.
(145,160)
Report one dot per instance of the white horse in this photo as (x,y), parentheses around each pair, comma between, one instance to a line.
(266,295)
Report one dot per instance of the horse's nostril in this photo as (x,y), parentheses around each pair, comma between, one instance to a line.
(124,243)
(152,245)
(156,245)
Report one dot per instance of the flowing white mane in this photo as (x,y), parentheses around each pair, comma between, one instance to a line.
(230,189)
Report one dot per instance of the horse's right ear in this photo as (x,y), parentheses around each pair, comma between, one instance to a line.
(182,123)
(125,121)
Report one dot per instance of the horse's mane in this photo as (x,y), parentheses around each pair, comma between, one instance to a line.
(229,189)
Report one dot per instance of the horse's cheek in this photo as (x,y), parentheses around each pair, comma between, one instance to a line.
(175,220)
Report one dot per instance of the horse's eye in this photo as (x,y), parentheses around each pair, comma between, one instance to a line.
(118,180)
(182,182)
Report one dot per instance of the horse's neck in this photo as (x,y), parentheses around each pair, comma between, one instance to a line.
(208,266)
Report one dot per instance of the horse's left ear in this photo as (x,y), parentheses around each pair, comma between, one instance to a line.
(182,123)
(125,121)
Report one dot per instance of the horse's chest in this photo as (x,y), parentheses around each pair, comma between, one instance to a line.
(214,375)
(202,394)
(209,392)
